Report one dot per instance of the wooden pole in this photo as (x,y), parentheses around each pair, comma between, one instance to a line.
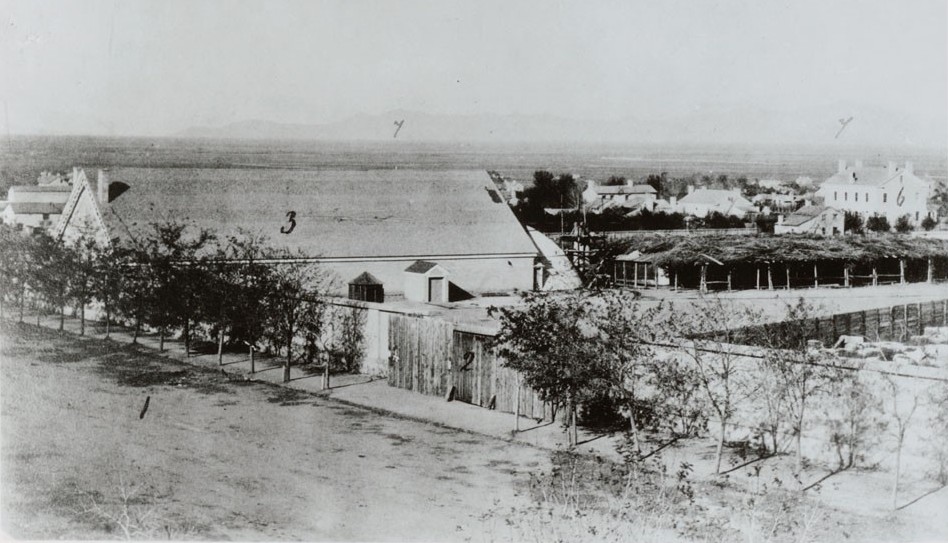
(676,280)
(901,271)
(770,278)
(220,347)
(787,269)
(517,410)
(635,277)
(758,277)
(253,368)
(846,276)
(875,277)
(816,281)
(703,287)
(931,274)
(729,280)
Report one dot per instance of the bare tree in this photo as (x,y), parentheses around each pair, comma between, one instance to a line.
(714,325)
(903,400)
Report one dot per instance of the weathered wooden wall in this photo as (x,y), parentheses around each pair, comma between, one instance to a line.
(430,356)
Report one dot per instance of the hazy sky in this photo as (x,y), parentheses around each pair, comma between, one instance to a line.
(153,68)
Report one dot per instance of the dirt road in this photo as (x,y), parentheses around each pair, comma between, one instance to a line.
(220,459)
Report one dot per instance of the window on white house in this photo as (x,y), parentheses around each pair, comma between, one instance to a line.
(867,196)
(885,197)
(856,194)
(846,196)
(834,196)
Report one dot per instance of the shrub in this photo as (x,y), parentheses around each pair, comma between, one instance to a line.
(903,225)
(878,223)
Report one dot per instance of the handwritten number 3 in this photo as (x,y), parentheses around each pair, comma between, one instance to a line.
(291,218)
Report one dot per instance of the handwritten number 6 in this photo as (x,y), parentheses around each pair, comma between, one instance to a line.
(291,218)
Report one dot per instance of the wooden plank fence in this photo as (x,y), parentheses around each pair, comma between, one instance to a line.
(896,323)
(430,356)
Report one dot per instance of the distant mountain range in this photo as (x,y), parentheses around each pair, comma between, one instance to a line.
(705,125)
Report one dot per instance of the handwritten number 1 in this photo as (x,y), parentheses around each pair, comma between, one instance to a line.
(291,218)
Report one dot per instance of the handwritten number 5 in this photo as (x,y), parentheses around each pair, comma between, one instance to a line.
(291,218)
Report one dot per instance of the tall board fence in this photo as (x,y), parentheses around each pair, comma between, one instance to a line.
(895,323)
(429,356)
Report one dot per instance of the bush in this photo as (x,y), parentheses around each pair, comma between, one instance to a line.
(929,223)
(853,222)
(903,225)
(878,223)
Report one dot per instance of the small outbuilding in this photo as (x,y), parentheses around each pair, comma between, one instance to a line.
(426,282)
(366,288)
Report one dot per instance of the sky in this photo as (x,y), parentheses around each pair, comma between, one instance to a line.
(114,67)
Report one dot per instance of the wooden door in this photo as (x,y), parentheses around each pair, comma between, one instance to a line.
(436,290)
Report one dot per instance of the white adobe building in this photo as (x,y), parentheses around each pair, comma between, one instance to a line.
(891,191)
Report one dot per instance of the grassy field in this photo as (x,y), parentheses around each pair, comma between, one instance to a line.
(217,457)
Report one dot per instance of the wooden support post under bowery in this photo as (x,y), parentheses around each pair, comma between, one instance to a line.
(787,269)
(729,280)
(220,347)
(758,277)
(930,275)
(703,287)
(676,280)
(253,367)
(770,278)
(901,271)
(816,281)
(846,276)
(875,277)
(635,275)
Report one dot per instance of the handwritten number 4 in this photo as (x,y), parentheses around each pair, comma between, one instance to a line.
(291,218)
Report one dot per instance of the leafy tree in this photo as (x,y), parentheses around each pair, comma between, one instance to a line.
(615,180)
(765,223)
(799,371)
(293,307)
(625,369)
(15,267)
(853,222)
(350,331)
(721,373)
(928,223)
(51,266)
(878,223)
(177,272)
(81,285)
(854,415)
(110,270)
(903,225)
(550,339)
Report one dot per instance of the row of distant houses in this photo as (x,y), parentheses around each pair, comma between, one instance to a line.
(891,191)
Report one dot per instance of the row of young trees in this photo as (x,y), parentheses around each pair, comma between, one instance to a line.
(585,351)
(855,223)
(182,279)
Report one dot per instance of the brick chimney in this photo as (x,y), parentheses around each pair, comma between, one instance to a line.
(102,188)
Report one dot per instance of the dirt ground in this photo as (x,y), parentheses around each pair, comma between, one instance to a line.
(217,457)
(213,459)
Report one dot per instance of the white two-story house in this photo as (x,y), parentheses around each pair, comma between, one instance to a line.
(891,191)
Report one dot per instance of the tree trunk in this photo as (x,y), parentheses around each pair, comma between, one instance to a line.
(108,320)
(635,430)
(62,318)
(187,337)
(574,434)
(720,448)
(289,356)
(898,469)
(220,347)
(22,300)
(138,325)
(82,320)
(161,340)
(253,368)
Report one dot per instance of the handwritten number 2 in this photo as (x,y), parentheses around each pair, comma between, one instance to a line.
(291,218)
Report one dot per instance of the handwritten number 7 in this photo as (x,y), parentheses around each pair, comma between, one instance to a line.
(291,218)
